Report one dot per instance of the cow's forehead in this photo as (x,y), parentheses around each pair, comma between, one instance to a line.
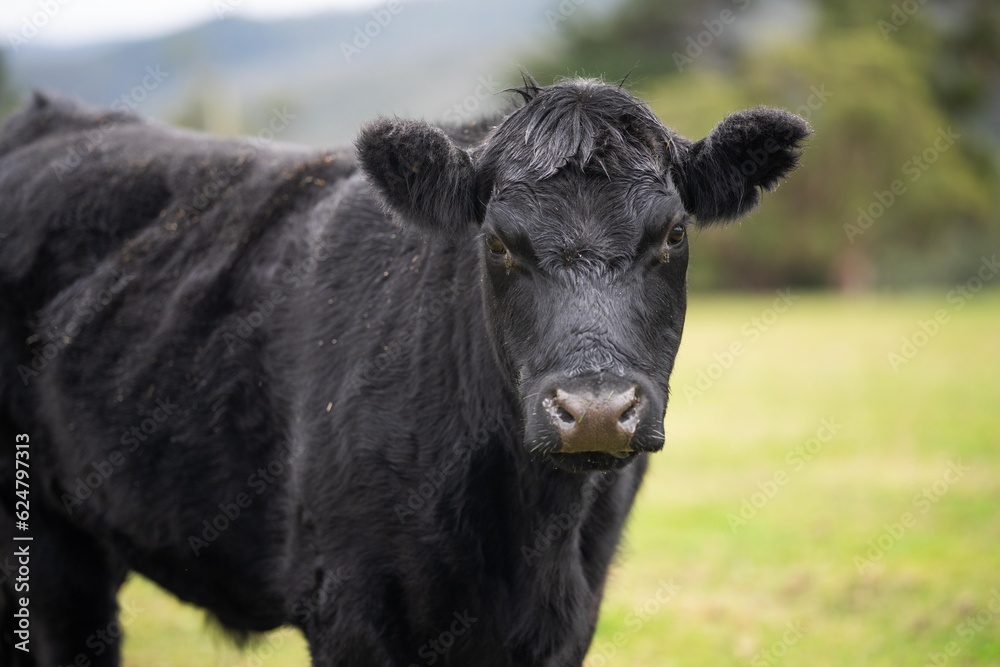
(588,197)
(583,125)
(600,215)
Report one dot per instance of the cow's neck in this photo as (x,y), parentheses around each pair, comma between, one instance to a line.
(542,524)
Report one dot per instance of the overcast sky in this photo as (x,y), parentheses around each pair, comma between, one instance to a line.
(73,22)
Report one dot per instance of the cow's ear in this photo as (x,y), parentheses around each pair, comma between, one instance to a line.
(721,177)
(421,175)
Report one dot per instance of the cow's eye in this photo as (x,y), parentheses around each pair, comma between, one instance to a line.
(672,242)
(495,245)
(677,234)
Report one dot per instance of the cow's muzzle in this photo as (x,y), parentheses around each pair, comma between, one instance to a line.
(594,421)
(604,421)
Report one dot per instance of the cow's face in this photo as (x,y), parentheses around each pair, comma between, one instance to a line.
(582,203)
(585,292)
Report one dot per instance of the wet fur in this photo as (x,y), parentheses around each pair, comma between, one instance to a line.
(329,321)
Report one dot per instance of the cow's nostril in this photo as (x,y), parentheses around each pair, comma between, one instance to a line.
(564,415)
(565,410)
(629,414)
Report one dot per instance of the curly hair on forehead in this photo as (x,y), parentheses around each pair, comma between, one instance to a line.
(444,177)
(582,124)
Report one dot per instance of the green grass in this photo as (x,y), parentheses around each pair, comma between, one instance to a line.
(784,588)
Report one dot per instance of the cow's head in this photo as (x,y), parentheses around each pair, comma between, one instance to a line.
(582,203)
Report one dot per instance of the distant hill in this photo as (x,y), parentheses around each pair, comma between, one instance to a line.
(333,71)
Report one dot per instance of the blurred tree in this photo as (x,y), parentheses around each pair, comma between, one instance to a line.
(899,184)
(8,98)
(212,105)
(882,193)
(640,37)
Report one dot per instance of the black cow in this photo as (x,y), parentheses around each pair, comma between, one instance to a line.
(400,397)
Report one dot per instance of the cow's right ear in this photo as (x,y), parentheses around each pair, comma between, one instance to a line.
(421,175)
(721,177)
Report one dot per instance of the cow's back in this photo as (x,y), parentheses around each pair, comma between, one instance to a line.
(138,267)
(77,184)
(94,201)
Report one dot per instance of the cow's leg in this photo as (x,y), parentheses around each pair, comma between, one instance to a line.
(347,628)
(74,583)
(360,650)
(355,651)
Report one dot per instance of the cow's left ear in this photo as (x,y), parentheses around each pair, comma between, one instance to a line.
(721,177)
(421,175)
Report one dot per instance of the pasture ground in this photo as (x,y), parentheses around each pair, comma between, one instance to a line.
(814,505)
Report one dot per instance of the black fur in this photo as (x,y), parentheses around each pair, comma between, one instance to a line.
(424,177)
(721,176)
(245,380)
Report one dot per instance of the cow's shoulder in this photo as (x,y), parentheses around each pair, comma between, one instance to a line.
(47,115)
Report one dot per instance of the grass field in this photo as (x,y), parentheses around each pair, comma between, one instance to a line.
(819,501)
